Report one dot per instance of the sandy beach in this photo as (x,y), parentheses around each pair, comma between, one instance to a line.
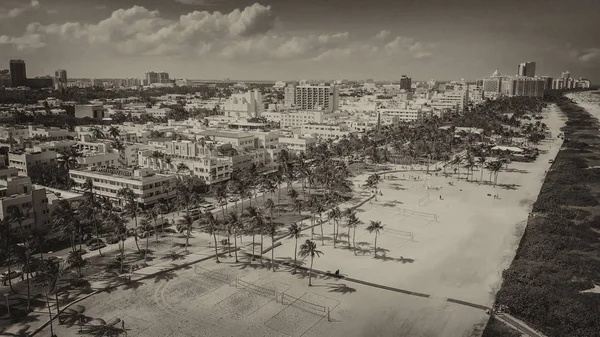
(449,241)
(589,100)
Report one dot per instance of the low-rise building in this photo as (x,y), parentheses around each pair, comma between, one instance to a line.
(326,131)
(147,186)
(296,144)
(24,160)
(18,192)
(89,110)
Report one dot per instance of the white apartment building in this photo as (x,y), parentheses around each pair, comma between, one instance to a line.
(312,97)
(326,131)
(249,104)
(296,144)
(148,187)
(158,112)
(292,119)
(50,132)
(404,115)
(17,191)
(211,169)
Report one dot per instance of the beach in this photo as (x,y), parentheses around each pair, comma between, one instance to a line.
(441,254)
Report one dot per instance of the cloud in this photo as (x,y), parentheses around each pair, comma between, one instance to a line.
(18,11)
(52,11)
(588,55)
(403,45)
(243,34)
(382,35)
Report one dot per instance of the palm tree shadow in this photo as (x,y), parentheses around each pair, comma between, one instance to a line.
(394,259)
(341,288)
(174,256)
(166,275)
(509,186)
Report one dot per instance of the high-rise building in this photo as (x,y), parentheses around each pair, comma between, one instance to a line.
(289,95)
(154,77)
(60,79)
(18,73)
(492,85)
(565,74)
(405,82)
(523,86)
(526,69)
(312,97)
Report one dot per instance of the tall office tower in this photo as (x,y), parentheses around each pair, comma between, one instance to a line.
(18,73)
(60,79)
(316,97)
(163,77)
(289,97)
(405,82)
(152,77)
(526,69)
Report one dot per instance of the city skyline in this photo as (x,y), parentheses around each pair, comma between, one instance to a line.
(288,40)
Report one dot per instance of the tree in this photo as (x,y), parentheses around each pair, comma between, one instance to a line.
(294,230)
(115,224)
(272,230)
(336,215)
(213,228)
(256,223)
(145,229)
(188,191)
(89,209)
(114,132)
(309,248)
(97,133)
(236,224)
(494,167)
(319,209)
(374,227)
(481,159)
(185,225)
(66,222)
(131,208)
(22,250)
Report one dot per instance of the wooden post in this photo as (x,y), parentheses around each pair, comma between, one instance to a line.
(328,316)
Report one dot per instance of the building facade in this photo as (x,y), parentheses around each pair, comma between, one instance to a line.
(312,97)
(147,186)
(526,69)
(18,73)
(89,110)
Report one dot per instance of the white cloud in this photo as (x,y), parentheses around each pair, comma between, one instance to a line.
(18,11)
(403,45)
(242,34)
(589,55)
(382,35)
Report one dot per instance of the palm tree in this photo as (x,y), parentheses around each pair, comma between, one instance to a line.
(152,215)
(319,209)
(351,215)
(99,327)
(353,223)
(90,208)
(113,131)
(481,159)
(309,248)
(235,223)
(23,251)
(335,214)
(294,231)
(66,222)
(131,208)
(114,223)
(213,228)
(256,223)
(185,225)
(376,227)
(495,167)
(97,132)
(298,205)
(181,167)
(145,228)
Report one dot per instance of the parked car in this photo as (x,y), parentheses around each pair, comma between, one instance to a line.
(170,230)
(221,203)
(233,199)
(96,246)
(81,251)
(4,277)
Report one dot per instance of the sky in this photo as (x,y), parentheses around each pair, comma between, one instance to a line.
(301,39)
